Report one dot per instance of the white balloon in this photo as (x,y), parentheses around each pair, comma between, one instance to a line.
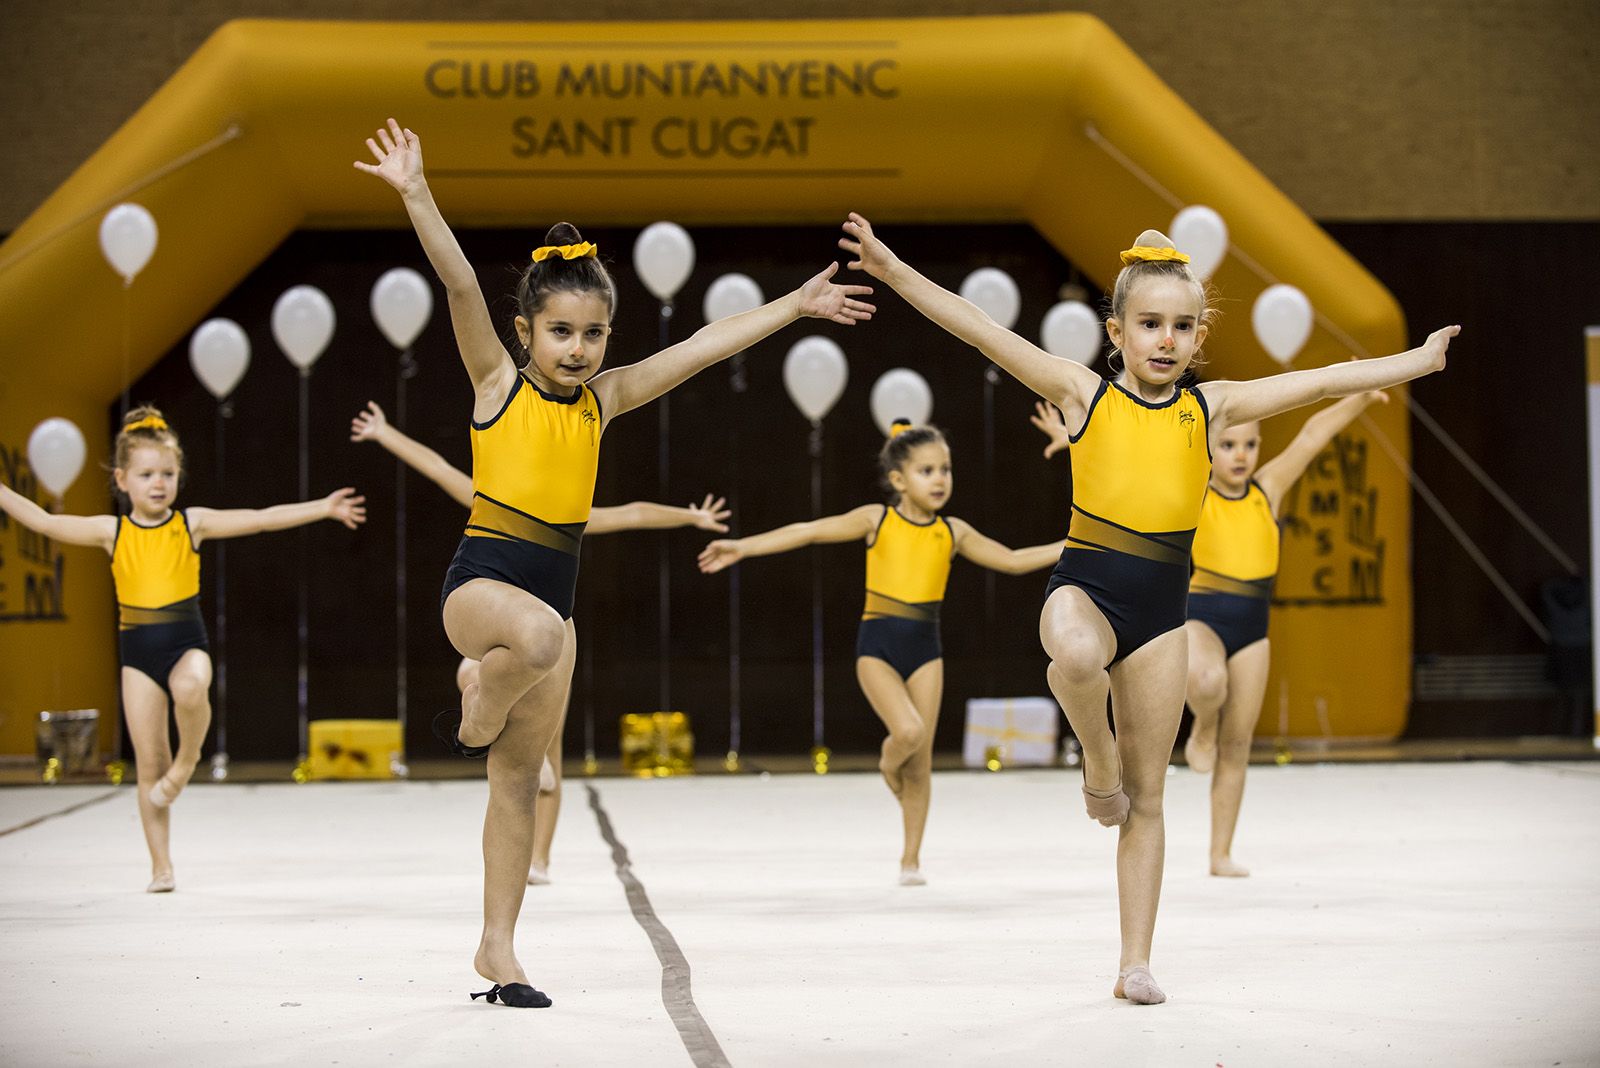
(402,303)
(1201,233)
(219,352)
(900,394)
(302,324)
(55,452)
(730,295)
(992,289)
(1282,319)
(1072,329)
(663,257)
(128,239)
(814,373)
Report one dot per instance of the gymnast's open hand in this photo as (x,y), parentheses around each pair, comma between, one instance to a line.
(871,255)
(399,156)
(368,424)
(348,508)
(710,514)
(720,554)
(823,299)
(1048,418)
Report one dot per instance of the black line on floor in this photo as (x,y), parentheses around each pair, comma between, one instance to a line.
(676,995)
(108,795)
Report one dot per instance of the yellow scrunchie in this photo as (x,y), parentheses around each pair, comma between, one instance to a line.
(566,252)
(1146,254)
(900,426)
(149,422)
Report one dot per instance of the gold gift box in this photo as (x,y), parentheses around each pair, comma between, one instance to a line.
(354,749)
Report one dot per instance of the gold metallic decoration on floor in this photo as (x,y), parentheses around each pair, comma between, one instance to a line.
(302,772)
(991,758)
(116,771)
(657,744)
(819,759)
(52,771)
(731,761)
(591,766)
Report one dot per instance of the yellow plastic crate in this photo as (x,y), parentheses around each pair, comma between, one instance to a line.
(354,749)
(657,744)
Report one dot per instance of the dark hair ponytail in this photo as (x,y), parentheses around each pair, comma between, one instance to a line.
(556,274)
(903,438)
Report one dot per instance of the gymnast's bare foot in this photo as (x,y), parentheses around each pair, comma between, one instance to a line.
(498,964)
(474,732)
(1138,986)
(1200,751)
(891,771)
(1227,866)
(169,786)
(161,882)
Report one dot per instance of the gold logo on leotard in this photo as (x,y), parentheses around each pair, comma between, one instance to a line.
(590,420)
(1187,420)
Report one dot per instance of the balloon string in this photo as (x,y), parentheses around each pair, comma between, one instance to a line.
(127,344)
(233,131)
(1344,338)
(663,569)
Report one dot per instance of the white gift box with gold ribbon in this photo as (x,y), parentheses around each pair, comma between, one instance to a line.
(1010,732)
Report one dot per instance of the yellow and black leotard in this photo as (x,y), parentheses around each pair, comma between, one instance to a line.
(156,571)
(908,565)
(1139,474)
(1235,561)
(533,471)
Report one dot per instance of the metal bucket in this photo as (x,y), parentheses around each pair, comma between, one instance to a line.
(66,742)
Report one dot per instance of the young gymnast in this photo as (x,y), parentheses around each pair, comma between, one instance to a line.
(537,422)
(899,660)
(1230,592)
(1141,458)
(710,514)
(155,566)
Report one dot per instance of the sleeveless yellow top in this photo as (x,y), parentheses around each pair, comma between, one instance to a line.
(1236,546)
(1139,475)
(908,565)
(534,466)
(155,570)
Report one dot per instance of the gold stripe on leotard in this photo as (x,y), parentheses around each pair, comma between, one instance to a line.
(881,607)
(491,519)
(131,616)
(1091,532)
(1203,581)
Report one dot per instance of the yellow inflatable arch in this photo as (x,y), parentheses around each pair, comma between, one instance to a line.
(1049,119)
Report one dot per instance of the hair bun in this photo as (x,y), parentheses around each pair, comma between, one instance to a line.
(1153,239)
(563,233)
(898,427)
(144,417)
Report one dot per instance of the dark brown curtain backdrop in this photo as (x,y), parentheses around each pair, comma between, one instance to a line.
(1513,396)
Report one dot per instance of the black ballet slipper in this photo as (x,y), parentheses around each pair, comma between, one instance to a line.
(447,728)
(516,995)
